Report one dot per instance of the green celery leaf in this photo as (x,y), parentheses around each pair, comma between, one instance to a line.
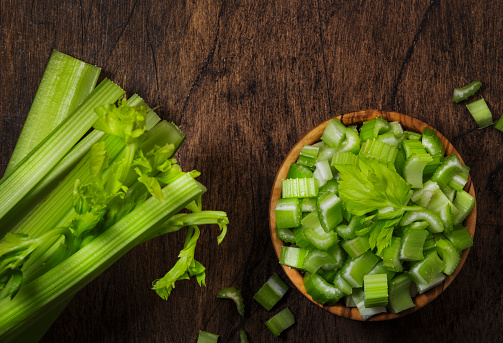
(371,185)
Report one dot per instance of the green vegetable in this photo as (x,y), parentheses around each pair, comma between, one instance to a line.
(280,322)
(481,113)
(234,295)
(391,203)
(271,292)
(243,337)
(207,337)
(464,93)
(499,124)
(65,84)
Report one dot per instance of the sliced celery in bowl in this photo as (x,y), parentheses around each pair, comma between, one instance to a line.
(413,126)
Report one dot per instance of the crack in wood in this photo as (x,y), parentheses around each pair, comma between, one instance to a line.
(410,50)
(204,66)
(126,24)
(329,93)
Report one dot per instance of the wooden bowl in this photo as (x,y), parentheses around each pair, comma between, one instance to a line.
(313,136)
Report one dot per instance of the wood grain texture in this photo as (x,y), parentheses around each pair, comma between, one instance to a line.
(314,136)
(246,80)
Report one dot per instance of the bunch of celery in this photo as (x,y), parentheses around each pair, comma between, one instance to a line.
(369,212)
(71,204)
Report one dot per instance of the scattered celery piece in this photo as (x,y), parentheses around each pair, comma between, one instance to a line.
(499,124)
(207,337)
(481,113)
(464,93)
(280,322)
(243,337)
(234,295)
(271,292)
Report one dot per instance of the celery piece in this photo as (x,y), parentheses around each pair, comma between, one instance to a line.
(379,268)
(327,274)
(308,204)
(299,171)
(293,257)
(391,255)
(372,128)
(338,254)
(351,143)
(425,270)
(235,295)
(423,286)
(460,237)
(355,269)
(399,294)
(322,173)
(310,151)
(301,239)
(299,188)
(499,124)
(341,284)
(429,245)
(390,138)
(243,337)
(344,158)
(396,128)
(348,231)
(450,166)
(356,246)
(271,292)
(286,235)
(315,259)
(65,279)
(288,213)
(435,223)
(400,161)
(305,161)
(449,254)
(414,168)
(359,300)
(206,337)
(315,233)
(375,288)
(379,150)
(412,136)
(481,113)
(325,154)
(348,301)
(331,186)
(65,84)
(464,203)
(329,207)
(334,133)
(432,142)
(413,147)
(458,182)
(321,291)
(423,195)
(431,167)
(280,322)
(464,93)
(412,245)
(51,150)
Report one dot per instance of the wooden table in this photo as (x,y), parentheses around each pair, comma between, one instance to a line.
(245,80)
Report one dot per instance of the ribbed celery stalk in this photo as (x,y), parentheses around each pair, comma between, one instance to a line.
(65,84)
(281,321)
(376,290)
(60,283)
(54,147)
(293,257)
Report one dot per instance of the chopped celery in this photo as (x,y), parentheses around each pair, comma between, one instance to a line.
(281,321)
(481,113)
(286,235)
(399,295)
(329,207)
(412,245)
(334,133)
(356,246)
(299,188)
(344,158)
(423,286)
(414,168)
(234,295)
(432,142)
(271,292)
(206,337)
(315,233)
(449,254)
(321,291)
(322,173)
(372,128)
(465,203)
(435,223)
(425,270)
(293,257)
(351,143)
(288,213)
(308,205)
(315,259)
(460,237)
(341,284)
(450,166)
(379,150)
(355,269)
(310,151)
(391,255)
(379,268)
(298,171)
(359,300)
(464,93)
(375,288)
(499,123)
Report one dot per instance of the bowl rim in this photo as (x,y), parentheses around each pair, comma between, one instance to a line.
(409,123)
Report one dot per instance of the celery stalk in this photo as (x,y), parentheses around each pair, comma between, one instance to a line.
(52,288)
(65,84)
(50,151)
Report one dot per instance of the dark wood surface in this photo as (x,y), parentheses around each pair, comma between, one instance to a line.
(246,80)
